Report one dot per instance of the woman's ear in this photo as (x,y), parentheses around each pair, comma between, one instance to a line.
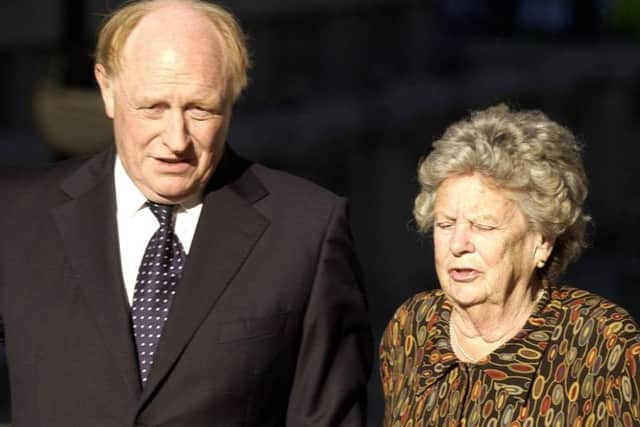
(543,250)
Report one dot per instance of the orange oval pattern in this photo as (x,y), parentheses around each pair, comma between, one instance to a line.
(574,363)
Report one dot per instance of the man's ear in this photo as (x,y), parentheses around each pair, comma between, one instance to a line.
(106,88)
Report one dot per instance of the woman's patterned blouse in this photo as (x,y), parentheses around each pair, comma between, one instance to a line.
(574,363)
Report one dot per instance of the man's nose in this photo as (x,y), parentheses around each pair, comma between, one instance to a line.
(176,133)
(461,242)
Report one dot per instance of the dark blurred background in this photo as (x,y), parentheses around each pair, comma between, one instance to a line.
(351,93)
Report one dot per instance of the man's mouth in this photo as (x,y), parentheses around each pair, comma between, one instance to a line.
(172,160)
(173,164)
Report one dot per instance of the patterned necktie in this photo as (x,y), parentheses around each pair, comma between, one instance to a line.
(158,276)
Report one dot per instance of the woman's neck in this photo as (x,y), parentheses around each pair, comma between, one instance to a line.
(479,330)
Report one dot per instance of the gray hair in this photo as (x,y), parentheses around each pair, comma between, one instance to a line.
(523,152)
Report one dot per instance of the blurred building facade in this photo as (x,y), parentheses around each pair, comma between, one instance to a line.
(351,93)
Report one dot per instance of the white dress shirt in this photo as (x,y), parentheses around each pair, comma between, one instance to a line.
(136,224)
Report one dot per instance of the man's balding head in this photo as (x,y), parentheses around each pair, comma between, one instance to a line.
(120,25)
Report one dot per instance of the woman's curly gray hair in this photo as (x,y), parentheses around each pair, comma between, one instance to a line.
(525,153)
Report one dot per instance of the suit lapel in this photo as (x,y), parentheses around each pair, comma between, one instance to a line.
(88,228)
(228,229)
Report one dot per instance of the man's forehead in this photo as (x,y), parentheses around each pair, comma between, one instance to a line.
(164,45)
(150,95)
(173,25)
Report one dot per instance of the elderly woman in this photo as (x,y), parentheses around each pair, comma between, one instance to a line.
(502,343)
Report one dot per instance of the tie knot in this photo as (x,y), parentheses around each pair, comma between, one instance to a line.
(162,212)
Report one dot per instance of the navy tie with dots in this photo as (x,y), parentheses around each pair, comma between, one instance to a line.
(158,277)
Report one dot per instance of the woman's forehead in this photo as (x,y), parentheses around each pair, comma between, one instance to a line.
(473,198)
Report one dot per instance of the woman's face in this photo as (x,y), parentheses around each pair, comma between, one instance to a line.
(484,246)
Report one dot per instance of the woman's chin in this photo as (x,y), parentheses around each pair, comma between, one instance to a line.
(464,295)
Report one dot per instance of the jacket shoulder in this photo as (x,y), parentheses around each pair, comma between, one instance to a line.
(27,191)
(18,182)
(294,200)
(282,184)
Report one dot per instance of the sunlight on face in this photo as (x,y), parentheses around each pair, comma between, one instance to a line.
(484,247)
(170,103)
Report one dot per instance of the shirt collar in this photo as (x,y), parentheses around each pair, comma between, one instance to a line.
(512,367)
(129,199)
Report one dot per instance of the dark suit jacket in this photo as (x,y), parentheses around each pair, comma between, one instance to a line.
(268,327)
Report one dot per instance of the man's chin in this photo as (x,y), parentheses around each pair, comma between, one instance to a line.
(171,194)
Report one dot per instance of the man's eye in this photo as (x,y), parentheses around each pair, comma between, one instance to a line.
(155,110)
(484,227)
(200,113)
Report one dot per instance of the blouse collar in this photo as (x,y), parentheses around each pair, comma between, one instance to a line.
(512,366)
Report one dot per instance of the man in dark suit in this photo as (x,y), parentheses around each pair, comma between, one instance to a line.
(168,282)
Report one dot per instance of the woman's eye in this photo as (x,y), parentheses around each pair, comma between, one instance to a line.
(444,225)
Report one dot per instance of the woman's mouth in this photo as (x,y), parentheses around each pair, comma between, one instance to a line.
(463,274)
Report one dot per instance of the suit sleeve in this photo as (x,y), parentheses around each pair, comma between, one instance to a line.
(11,186)
(8,192)
(334,361)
